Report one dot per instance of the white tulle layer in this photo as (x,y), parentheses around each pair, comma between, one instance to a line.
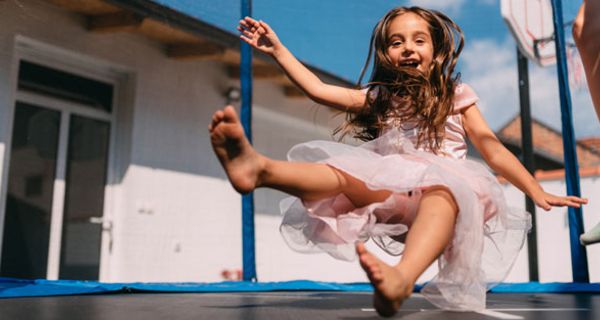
(488,234)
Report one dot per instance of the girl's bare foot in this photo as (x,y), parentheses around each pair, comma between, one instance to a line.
(391,286)
(241,162)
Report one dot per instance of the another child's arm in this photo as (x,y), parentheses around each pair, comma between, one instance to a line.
(259,35)
(506,164)
(586,29)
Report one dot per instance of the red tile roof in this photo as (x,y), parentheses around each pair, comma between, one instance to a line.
(549,141)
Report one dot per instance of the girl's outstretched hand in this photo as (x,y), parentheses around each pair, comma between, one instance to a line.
(547,200)
(259,35)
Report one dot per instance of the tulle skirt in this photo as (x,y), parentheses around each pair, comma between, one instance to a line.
(488,234)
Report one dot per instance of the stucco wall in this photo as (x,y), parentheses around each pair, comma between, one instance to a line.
(554,251)
(175,216)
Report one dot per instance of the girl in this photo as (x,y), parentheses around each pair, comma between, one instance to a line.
(409,188)
(585,33)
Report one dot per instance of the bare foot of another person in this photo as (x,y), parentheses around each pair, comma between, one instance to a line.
(241,162)
(391,287)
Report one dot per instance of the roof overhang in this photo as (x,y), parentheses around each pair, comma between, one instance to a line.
(184,37)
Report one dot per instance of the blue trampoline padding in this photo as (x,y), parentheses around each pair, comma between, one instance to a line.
(550,287)
(243,286)
(12,288)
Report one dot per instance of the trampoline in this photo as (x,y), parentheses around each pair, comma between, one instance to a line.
(288,305)
(43,299)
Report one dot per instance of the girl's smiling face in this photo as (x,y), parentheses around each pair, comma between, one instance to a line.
(409,42)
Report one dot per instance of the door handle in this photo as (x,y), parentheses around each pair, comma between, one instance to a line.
(106,224)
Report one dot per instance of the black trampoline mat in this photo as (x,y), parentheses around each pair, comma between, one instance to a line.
(287,305)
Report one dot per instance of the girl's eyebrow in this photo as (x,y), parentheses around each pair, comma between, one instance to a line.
(421,33)
(416,33)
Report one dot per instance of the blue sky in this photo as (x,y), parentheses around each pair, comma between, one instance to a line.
(334,35)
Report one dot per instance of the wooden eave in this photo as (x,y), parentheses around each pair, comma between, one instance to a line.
(184,38)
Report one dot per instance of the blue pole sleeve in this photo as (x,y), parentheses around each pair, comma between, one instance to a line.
(579,263)
(248,244)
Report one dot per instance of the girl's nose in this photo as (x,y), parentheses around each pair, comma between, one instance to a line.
(408,49)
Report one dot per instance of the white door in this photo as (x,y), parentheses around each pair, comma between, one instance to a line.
(57,175)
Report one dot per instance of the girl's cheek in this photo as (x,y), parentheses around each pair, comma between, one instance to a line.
(393,54)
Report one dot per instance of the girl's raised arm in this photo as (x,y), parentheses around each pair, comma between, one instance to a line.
(506,164)
(260,36)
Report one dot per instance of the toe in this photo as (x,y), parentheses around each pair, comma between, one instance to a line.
(360,248)
(229,114)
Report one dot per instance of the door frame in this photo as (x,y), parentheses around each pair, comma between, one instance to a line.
(61,59)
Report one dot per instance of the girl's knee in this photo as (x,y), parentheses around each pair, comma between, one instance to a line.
(442,193)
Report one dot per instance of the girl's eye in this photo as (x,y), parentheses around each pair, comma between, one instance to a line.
(396,43)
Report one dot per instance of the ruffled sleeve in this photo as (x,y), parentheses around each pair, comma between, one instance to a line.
(464,96)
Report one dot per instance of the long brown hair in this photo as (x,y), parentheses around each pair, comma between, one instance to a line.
(405,94)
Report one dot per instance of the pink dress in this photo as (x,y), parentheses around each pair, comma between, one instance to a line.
(488,233)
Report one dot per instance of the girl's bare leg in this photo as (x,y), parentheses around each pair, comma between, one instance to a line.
(247,169)
(428,236)
(586,28)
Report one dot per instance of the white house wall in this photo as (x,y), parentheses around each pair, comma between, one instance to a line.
(554,251)
(175,216)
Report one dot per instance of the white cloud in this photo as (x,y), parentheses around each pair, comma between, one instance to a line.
(491,69)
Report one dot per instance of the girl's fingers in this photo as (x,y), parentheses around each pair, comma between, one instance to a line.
(246,28)
(265,26)
(577,199)
(251,32)
(571,204)
(546,205)
(561,202)
(249,26)
(248,34)
(250,20)
(251,23)
(246,39)
(244,25)
(574,202)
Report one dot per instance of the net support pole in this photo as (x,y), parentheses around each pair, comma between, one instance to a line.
(248,248)
(579,263)
(528,160)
